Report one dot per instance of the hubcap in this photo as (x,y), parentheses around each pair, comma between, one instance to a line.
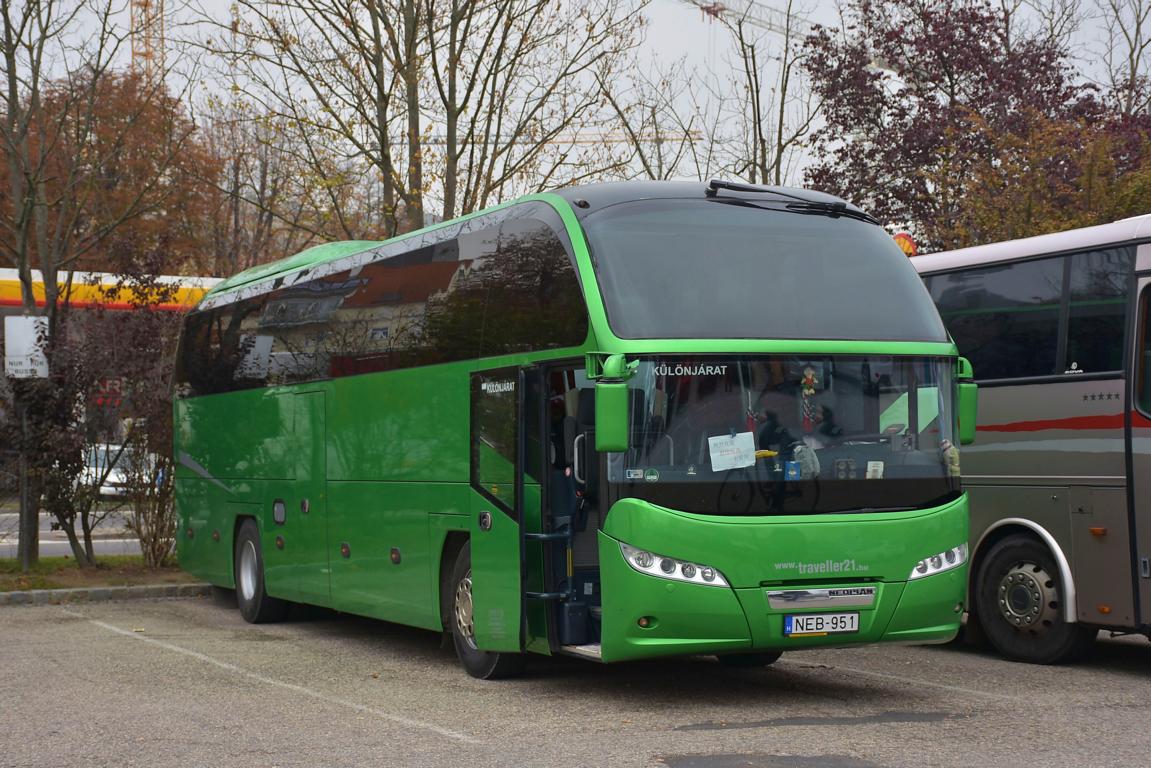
(248,570)
(1028,599)
(463,610)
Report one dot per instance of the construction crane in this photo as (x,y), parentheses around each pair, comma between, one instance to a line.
(774,20)
(148,38)
(751,12)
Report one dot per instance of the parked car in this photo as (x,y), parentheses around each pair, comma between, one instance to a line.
(113,482)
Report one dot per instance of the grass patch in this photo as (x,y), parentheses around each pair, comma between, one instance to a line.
(110,571)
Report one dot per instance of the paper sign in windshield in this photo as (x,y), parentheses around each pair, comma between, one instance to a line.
(731,451)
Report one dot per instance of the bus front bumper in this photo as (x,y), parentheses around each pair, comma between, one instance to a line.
(646,616)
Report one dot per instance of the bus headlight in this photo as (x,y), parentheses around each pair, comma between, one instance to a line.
(670,568)
(944,561)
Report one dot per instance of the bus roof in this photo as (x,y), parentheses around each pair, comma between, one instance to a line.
(584,199)
(1124,230)
(589,198)
(317,254)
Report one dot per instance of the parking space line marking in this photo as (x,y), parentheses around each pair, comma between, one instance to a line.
(898,678)
(362,708)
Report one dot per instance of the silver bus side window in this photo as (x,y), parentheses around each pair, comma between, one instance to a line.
(1143,359)
(1059,315)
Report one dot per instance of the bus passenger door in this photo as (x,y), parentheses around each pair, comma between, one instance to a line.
(1139,478)
(305,532)
(497,490)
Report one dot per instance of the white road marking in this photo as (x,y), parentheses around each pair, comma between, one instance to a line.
(901,679)
(364,709)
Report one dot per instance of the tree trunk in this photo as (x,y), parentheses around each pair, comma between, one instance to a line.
(415,197)
(29,543)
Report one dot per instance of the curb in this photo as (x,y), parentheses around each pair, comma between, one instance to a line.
(102,594)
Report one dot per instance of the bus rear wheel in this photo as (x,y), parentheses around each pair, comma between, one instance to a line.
(486,665)
(253,601)
(1019,600)
(749,660)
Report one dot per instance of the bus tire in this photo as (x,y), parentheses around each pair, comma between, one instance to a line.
(749,660)
(485,665)
(253,601)
(1020,606)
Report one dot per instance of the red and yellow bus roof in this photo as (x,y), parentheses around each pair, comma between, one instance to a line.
(90,289)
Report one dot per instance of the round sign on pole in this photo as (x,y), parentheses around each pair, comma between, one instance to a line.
(907,244)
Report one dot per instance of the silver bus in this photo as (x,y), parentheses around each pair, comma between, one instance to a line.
(1058,330)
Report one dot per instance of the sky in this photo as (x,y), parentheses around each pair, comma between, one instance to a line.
(677,29)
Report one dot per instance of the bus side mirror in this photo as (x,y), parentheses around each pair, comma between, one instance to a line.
(968,401)
(612,426)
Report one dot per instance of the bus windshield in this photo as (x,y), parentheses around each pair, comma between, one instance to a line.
(790,434)
(711,269)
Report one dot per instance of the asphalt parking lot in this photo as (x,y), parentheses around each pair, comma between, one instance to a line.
(187,682)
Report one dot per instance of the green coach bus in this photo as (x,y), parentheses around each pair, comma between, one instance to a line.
(616,421)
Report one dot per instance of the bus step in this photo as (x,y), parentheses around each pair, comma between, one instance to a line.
(545,595)
(589,651)
(562,536)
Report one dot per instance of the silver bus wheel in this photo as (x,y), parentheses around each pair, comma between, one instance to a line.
(255,605)
(1019,602)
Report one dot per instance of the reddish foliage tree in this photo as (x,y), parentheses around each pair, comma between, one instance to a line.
(933,107)
(121,186)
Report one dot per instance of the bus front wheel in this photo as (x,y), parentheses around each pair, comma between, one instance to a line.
(255,605)
(486,665)
(1019,600)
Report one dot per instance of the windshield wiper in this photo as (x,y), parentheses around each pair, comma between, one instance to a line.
(833,210)
(715,185)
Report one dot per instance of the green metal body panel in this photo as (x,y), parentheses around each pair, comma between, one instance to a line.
(759,554)
(237,436)
(307,522)
(496,585)
(393,471)
(611,416)
(374,518)
(926,611)
(288,549)
(685,618)
(751,551)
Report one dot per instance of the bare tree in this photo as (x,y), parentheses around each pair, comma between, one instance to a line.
(518,92)
(1061,19)
(1127,53)
(668,125)
(399,100)
(263,203)
(775,111)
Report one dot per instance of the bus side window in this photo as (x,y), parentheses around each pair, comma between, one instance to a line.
(1143,361)
(1097,283)
(1004,317)
(1060,315)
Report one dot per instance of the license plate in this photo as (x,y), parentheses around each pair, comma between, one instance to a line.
(816,624)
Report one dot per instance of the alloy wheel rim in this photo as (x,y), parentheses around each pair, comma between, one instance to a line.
(248,570)
(463,610)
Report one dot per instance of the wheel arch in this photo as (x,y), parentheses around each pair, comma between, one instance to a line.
(453,543)
(1009,526)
